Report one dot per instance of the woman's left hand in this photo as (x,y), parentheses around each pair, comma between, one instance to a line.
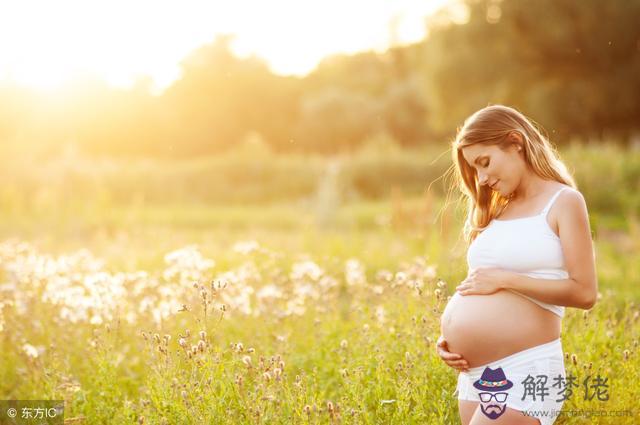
(484,281)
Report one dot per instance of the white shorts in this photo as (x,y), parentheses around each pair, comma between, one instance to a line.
(533,372)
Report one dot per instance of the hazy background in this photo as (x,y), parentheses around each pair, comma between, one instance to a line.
(110,109)
(572,66)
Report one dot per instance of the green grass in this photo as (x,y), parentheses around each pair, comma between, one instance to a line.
(109,373)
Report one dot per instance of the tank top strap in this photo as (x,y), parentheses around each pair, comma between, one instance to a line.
(551,201)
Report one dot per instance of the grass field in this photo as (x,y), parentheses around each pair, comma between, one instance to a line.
(290,312)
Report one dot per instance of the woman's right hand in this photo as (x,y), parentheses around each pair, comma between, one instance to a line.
(452,359)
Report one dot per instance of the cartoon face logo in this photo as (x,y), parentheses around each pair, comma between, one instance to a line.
(493,396)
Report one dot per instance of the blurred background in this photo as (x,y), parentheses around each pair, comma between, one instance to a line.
(120,121)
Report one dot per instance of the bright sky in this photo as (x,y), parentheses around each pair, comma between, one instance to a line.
(44,43)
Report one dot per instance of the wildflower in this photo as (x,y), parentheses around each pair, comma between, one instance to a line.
(438,293)
(344,373)
(277,372)
(343,344)
(238,380)
(307,409)
(626,354)
(574,359)
(281,364)
(182,342)
(194,349)
(184,394)
(203,335)
(247,361)
(355,272)
(156,338)
(306,269)
(30,351)
(401,277)
(330,407)
(266,376)
(239,347)
(166,339)
(201,346)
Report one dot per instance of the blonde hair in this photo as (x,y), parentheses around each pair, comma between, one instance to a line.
(491,126)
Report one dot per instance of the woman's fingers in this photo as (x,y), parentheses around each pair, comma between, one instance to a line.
(458,363)
(446,354)
(459,367)
(454,360)
(450,356)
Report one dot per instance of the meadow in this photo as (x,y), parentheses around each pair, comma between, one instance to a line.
(299,292)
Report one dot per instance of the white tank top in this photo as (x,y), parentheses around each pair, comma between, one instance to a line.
(524,245)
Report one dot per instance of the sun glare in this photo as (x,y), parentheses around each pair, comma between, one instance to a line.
(44,44)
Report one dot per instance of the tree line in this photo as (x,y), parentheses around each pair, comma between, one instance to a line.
(573,66)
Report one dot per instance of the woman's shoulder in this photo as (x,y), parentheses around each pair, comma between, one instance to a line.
(571,200)
(564,190)
(568,190)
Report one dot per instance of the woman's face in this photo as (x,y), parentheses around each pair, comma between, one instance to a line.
(501,171)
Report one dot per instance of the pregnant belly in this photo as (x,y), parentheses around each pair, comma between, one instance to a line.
(485,328)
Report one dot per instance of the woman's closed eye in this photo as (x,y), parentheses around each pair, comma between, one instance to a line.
(485,165)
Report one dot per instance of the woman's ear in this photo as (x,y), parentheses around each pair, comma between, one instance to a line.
(515,137)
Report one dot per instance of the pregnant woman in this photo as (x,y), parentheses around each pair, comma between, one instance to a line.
(530,254)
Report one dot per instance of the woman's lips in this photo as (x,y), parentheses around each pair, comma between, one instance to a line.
(495,185)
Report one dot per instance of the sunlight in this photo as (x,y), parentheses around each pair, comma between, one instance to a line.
(44,44)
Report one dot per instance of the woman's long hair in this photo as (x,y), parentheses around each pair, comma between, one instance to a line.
(491,126)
